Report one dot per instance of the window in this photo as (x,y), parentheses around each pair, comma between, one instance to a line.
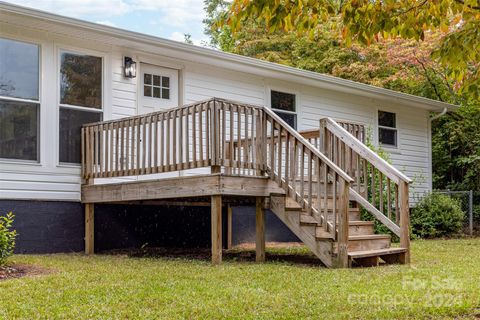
(387,132)
(19,100)
(156,86)
(80,100)
(283,104)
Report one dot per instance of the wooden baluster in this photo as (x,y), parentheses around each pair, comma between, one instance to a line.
(389,200)
(194,136)
(279,156)
(245,144)
(373,186)
(111,146)
(397,210)
(116,127)
(155,142)
(358,173)
(294,166)
(187,139)
(149,144)
(101,150)
(200,126)
(180,140)
(168,144)
(232,139)
(287,162)
(174,141)
(95,151)
(136,123)
(272,149)
(365,178)
(253,148)
(86,175)
(404,220)
(318,177)
(127,148)
(293,163)
(208,151)
(302,175)
(144,145)
(223,135)
(83,152)
(121,134)
(334,204)
(343,225)
(162,151)
(380,187)
(325,196)
(309,181)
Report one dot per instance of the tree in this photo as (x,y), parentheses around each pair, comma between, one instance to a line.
(368,21)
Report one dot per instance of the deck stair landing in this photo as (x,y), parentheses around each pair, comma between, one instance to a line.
(316,182)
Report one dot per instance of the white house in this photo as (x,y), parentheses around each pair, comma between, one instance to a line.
(57,73)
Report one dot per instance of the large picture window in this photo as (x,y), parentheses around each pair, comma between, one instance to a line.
(81,83)
(387,129)
(19,100)
(283,104)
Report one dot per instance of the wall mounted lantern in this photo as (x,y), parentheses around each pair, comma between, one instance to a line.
(129,68)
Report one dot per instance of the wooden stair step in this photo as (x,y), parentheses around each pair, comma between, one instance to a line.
(376,253)
(368,242)
(355,228)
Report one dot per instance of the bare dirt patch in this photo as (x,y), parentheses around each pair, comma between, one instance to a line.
(21,270)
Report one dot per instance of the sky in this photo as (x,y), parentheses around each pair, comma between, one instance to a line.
(169,19)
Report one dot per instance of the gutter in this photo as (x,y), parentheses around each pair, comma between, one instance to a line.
(441,114)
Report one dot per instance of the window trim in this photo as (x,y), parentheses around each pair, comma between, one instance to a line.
(395,129)
(59,49)
(38,102)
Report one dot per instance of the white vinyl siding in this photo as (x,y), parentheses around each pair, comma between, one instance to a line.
(48,180)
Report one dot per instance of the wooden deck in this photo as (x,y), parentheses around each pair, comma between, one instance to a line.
(314,181)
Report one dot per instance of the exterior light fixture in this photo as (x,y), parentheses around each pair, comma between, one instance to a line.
(129,68)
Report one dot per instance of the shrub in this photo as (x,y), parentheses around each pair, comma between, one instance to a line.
(436,215)
(7,237)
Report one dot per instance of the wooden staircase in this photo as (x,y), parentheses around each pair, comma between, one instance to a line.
(365,248)
(325,176)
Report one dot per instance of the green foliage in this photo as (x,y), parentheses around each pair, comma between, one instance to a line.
(367,21)
(7,237)
(436,216)
(456,150)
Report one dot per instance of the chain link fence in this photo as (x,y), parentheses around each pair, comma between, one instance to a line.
(470,203)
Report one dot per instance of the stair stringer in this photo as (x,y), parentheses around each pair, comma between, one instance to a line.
(323,249)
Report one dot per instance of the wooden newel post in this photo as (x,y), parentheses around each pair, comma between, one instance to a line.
(260,142)
(216,223)
(404,220)
(260,230)
(323,136)
(342,234)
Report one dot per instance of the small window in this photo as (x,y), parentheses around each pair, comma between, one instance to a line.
(387,129)
(156,86)
(19,100)
(283,104)
(80,100)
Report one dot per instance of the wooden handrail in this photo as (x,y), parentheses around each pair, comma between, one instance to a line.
(364,151)
(378,185)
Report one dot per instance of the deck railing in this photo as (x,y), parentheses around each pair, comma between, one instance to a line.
(378,186)
(250,140)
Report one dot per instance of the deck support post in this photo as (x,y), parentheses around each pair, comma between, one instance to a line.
(89,228)
(342,240)
(216,213)
(404,221)
(260,230)
(229,227)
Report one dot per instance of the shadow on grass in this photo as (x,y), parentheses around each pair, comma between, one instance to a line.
(241,255)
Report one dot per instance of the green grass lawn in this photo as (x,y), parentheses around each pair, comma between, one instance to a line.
(443,281)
